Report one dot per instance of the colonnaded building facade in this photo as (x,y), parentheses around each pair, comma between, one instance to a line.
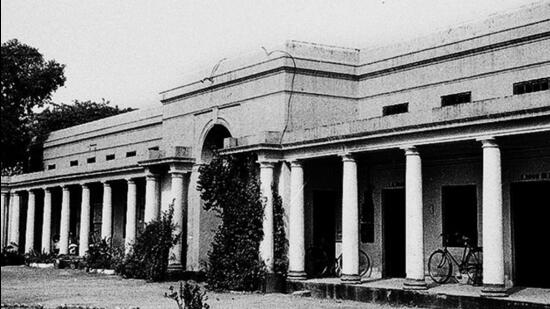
(379,150)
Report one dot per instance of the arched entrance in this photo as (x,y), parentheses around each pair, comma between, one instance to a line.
(213,141)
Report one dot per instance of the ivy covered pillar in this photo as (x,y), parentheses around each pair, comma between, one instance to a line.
(267,244)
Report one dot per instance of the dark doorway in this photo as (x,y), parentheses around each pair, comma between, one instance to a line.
(529,202)
(393,205)
(324,225)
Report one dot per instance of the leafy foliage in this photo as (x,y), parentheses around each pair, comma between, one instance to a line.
(230,187)
(103,255)
(280,241)
(148,258)
(11,256)
(39,257)
(28,81)
(189,296)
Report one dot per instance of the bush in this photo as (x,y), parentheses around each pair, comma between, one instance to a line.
(189,296)
(103,255)
(11,255)
(280,241)
(230,187)
(39,257)
(148,258)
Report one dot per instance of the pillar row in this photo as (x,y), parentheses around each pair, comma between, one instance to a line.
(414,224)
(296,243)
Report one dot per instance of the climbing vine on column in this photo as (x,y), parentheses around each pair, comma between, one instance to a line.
(230,187)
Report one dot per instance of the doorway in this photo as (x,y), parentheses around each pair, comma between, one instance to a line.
(393,212)
(324,222)
(529,203)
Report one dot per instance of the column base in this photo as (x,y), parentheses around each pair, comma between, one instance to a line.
(494,290)
(350,278)
(175,268)
(415,284)
(296,275)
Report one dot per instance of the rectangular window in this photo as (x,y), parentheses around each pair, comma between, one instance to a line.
(367,217)
(154,148)
(395,109)
(534,85)
(457,98)
(459,210)
(130,154)
(51,166)
(74,163)
(110,157)
(91,160)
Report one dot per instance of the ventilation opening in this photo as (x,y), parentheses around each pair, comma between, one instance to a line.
(457,98)
(91,160)
(74,163)
(110,157)
(395,109)
(51,166)
(130,154)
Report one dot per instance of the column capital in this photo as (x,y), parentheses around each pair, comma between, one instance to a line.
(85,185)
(65,187)
(296,163)
(410,150)
(131,180)
(347,157)
(488,142)
(106,183)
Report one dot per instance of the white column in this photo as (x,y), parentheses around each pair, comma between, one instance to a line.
(350,221)
(65,221)
(47,221)
(107,212)
(29,231)
(296,243)
(131,210)
(152,198)
(4,219)
(267,244)
(414,225)
(492,224)
(15,211)
(194,204)
(84,237)
(179,195)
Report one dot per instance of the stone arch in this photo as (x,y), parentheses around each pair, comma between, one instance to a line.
(212,138)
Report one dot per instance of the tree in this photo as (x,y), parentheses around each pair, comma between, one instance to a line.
(230,187)
(61,116)
(28,81)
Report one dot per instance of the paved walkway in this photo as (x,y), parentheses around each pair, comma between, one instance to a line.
(53,287)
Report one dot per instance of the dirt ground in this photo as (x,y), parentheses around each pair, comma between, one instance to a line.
(54,287)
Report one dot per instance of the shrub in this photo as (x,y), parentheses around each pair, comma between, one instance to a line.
(229,187)
(148,258)
(39,257)
(11,255)
(280,241)
(189,296)
(103,254)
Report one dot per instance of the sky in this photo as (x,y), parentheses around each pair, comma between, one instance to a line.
(129,51)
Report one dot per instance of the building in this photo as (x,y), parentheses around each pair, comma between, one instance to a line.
(377,150)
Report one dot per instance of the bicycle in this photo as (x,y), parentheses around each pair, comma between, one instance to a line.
(440,263)
(320,265)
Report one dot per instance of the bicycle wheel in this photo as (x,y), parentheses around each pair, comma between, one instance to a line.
(317,262)
(338,266)
(474,267)
(364,263)
(439,266)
